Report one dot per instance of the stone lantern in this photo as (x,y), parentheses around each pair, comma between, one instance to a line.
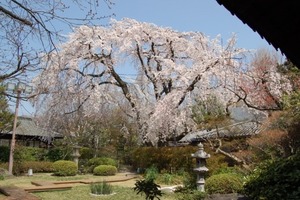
(76,154)
(201,168)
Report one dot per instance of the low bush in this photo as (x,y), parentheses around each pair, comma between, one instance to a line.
(36,166)
(101,188)
(105,170)
(279,179)
(170,159)
(59,153)
(65,168)
(224,183)
(4,153)
(94,162)
(151,173)
(24,153)
(102,161)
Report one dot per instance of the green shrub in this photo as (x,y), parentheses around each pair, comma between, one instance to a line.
(23,153)
(170,159)
(65,168)
(151,173)
(2,174)
(59,153)
(37,166)
(86,153)
(170,179)
(101,188)
(102,161)
(4,153)
(94,162)
(105,170)
(275,180)
(224,183)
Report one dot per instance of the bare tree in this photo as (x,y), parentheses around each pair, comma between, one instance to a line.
(29,28)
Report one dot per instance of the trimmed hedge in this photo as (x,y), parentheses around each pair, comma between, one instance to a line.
(36,166)
(65,168)
(94,162)
(105,170)
(224,184)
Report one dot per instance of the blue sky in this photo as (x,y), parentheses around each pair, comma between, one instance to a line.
(205,16)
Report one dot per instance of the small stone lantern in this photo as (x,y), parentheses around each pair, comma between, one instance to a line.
(76,154)
(200,169)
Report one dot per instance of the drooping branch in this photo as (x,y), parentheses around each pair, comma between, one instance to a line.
(194,82)
(19,69)
(218,149)
(250,105)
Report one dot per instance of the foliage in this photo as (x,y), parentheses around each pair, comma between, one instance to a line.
(101,188)
(169,159)
(269,144)
(224,183)
(65,168)
(86,153)
(36,166)
(275,180)
(105,170)
(169,179)
(94,162)
(216,162)
(2,173)
(102,161)
(6,117)
(149,188)
(4,153)
(59,153)
(151,173)
(189,181)
(25,153)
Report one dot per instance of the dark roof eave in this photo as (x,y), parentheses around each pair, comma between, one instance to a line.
(276,21)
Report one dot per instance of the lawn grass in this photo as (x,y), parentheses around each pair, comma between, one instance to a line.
(123,190)
(82,192)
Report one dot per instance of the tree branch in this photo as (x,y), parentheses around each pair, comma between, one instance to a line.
(15,17)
